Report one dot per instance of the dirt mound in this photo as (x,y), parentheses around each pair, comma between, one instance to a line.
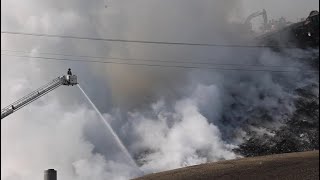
(302,166)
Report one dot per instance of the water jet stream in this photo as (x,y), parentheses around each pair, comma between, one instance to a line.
(105,122)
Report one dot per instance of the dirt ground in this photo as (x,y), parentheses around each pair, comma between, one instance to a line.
(290,166)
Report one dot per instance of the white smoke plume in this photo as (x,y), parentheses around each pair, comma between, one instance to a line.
(167,118)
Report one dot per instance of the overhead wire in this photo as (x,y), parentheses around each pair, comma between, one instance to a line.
(143,41)
(159,65)
(155,60)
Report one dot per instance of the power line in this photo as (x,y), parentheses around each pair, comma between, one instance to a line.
(155,60)
(140,41)
(159,65)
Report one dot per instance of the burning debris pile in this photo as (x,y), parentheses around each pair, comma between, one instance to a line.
(300,132)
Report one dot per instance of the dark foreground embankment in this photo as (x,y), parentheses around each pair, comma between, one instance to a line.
(293,166)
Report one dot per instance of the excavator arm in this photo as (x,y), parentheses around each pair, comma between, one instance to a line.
(67,80)
(256,14)
(251,16)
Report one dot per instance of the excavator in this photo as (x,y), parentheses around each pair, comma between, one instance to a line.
(262,13)
(66,80)
(304,34)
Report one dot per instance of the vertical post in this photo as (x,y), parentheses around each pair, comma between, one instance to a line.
(50,174)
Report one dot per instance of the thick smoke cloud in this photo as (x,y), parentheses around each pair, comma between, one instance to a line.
(183,135)
(168,118)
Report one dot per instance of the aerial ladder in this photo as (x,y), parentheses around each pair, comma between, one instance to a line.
(66,80)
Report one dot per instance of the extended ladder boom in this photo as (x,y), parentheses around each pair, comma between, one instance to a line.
(62,80)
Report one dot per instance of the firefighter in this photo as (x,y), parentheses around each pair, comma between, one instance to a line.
(69,72)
